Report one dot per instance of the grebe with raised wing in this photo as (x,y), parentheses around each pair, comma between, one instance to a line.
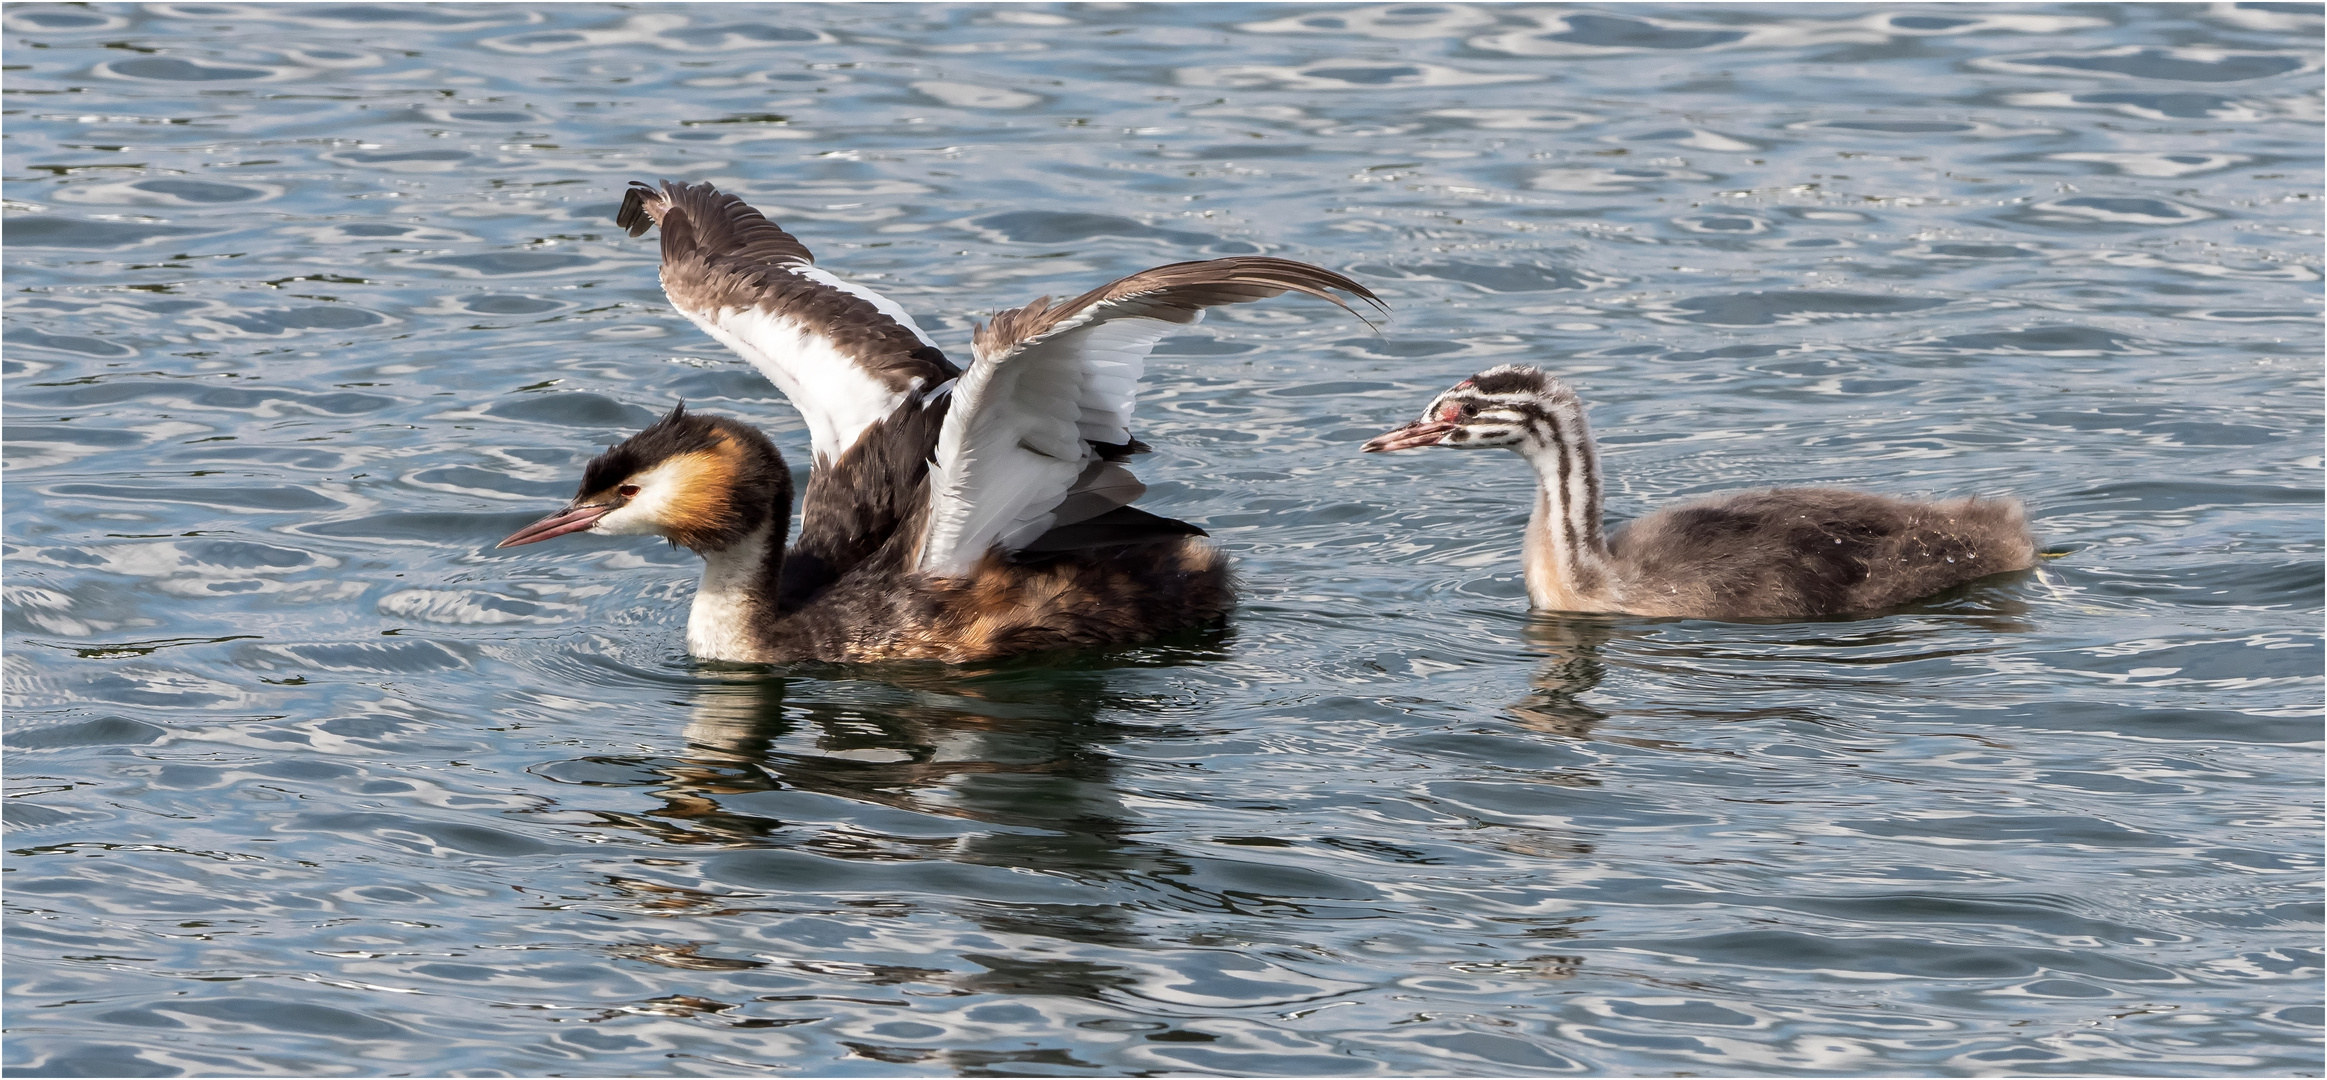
(948,515)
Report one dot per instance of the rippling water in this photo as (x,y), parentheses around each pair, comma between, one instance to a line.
(309,305)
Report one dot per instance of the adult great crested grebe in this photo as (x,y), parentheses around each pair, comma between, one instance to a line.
(1779,553)
(949,515)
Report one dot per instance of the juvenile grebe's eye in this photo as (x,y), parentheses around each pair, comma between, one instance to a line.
(627,491)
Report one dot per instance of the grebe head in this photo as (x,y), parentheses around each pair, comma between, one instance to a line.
(706,482)
(1508,406)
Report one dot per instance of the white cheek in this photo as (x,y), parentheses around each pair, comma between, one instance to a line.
(628,521)
(643,515)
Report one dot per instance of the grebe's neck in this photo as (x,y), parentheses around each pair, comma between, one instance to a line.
(737,598)
(1568,565)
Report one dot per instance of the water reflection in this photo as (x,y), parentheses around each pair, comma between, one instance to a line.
(1024,751)
(1571,668)
(1015,769)
(999,750)
(1708,673)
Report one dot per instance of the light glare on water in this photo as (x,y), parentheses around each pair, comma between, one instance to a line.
(311,304)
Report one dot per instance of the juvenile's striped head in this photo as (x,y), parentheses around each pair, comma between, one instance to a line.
(705,482)
(1509,406)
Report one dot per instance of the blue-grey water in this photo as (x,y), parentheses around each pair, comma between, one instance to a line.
(307,306)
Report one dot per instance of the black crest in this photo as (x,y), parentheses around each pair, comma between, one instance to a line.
(676,433)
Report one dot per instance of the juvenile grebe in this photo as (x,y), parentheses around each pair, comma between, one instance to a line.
(949,515)
(1779,553)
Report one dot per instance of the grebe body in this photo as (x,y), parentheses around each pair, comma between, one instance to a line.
(721,488)
(1777,553)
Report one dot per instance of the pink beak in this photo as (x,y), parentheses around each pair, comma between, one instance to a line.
(570,519)
(1424,432)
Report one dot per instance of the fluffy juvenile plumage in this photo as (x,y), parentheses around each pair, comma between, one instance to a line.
(950,514)
(1780,553)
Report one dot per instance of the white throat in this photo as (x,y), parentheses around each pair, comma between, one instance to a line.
(730,602)
(1567,563)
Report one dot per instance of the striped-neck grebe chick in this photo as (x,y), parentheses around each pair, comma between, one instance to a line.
(949,514)
(1778,553)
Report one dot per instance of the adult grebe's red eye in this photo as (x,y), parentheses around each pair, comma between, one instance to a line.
(627,490)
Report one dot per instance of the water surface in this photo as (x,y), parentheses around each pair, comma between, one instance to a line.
(309,305)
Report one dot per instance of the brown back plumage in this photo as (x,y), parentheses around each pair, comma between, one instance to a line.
(1812,551)
(1004,607)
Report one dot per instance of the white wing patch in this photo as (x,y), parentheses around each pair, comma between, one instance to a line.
(1017,440)
(837,397)
(755,288)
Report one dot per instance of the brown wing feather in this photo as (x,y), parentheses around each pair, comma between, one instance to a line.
(1175,293)
(719,253)
(720,223)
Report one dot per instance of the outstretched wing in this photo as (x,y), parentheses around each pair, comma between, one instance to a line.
(845,355)
(1042,420)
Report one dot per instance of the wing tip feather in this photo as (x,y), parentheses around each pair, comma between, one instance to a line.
(724,227)
(642,208)
(1312,280)
(1267,274)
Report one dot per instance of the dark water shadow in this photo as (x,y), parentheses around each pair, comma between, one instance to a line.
(1009,766)
(1571,667)
(1730,671)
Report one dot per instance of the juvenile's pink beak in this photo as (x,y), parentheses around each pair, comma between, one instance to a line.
(1424,432)
(570,519)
